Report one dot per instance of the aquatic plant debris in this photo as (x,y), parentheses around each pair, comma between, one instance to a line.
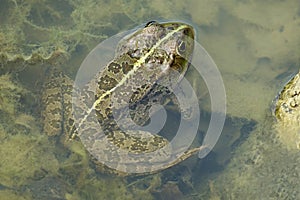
(252,42)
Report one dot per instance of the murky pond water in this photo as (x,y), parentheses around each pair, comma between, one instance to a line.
(255,46)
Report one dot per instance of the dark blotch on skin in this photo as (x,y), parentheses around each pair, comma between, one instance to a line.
(114,67)
(126,67)
(106,83)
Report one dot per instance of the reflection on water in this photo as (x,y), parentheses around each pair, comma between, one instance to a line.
(253,43)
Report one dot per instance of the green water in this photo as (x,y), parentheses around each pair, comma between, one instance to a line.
(256,47)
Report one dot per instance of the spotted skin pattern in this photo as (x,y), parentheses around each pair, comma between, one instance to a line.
(146,65)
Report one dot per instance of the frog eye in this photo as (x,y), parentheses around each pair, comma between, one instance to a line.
(151,23)
(181,47)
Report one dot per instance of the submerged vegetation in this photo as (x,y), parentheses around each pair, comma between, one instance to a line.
(255,45)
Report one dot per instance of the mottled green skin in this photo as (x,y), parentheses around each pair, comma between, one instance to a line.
(56,103)
(155,55)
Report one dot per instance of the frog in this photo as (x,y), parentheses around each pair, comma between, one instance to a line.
(286,109)
(288,100)
(146,64)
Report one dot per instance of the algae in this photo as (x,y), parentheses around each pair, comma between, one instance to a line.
(34,36)
(11,195)
(9,95)
(262,168)
(235,33)
(252,42)
(42,27)
(142,11)
(21,151)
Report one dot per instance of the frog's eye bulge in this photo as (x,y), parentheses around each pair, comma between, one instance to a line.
(150,23)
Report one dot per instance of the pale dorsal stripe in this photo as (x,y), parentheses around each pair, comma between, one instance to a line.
(136,65)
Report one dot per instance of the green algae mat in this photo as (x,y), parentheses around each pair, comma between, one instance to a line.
(255,46)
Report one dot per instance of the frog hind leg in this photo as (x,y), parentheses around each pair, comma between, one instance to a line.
(137,141)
